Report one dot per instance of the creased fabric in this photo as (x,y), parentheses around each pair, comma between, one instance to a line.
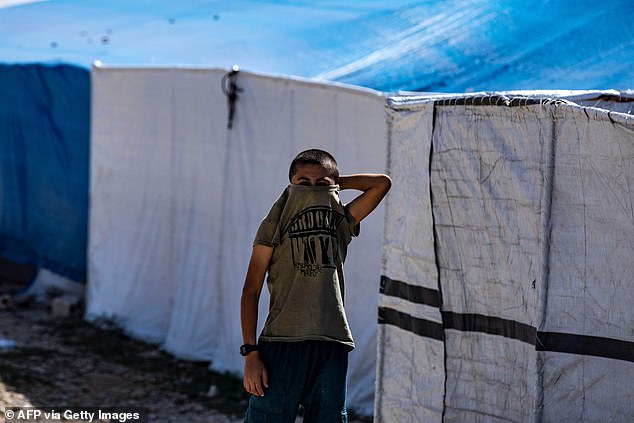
(531,236)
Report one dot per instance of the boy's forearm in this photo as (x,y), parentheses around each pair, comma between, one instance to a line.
(365,181)
(374,187)
(260,257)
(249,318)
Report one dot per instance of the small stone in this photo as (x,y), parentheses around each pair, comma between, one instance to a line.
(213,391)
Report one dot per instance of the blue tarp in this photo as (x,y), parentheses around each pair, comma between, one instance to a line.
(387,45)
(44,166)
(479,45)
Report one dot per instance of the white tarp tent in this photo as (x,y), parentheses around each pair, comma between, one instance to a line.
(507,236)
(509,239)
(176,198)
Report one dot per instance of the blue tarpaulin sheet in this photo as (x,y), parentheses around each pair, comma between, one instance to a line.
(387,45)
(44,166)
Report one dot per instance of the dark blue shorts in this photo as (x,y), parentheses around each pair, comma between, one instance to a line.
(310,373)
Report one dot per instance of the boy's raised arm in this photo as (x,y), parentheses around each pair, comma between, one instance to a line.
(374,187)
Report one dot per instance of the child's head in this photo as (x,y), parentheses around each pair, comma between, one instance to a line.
(314,167)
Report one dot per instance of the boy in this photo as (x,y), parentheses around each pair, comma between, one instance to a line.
(302,353)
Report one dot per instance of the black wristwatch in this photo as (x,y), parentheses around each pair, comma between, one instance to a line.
(247,348)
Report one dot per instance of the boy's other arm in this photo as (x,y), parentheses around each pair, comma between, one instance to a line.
(374,187)
(255,375)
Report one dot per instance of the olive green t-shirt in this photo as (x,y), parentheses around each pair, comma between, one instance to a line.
(309,229)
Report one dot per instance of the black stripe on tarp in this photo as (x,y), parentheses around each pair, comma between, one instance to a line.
(490,325)
(421,327)
(585,345)
(595,346)
(467,322)
(413,293)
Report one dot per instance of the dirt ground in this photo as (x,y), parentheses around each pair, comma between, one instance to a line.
(68,362)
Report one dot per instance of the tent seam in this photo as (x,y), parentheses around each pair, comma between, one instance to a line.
(437,264)
(545,251)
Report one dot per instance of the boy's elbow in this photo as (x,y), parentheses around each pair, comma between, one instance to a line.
(386,183)
(249,297)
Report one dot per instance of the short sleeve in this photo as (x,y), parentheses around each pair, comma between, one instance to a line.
(353,228)
(268,233)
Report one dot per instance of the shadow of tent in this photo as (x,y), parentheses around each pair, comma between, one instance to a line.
(14,277)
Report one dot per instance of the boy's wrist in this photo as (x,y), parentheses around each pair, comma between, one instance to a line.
(247,349)
(344,182)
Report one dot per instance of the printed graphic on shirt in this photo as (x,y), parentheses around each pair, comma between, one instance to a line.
(313,236)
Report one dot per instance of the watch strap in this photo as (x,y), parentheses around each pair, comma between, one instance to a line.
(246,349)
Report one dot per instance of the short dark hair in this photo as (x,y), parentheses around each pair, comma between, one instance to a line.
(315,156)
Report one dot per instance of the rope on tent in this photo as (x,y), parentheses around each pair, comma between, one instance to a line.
(230,89)
(492,100)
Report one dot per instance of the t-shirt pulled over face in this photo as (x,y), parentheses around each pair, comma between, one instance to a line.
(309,229)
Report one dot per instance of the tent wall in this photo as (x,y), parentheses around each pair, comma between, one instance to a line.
(518,306)
(586,332)
(410,365)
(176,198)
(44,155)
